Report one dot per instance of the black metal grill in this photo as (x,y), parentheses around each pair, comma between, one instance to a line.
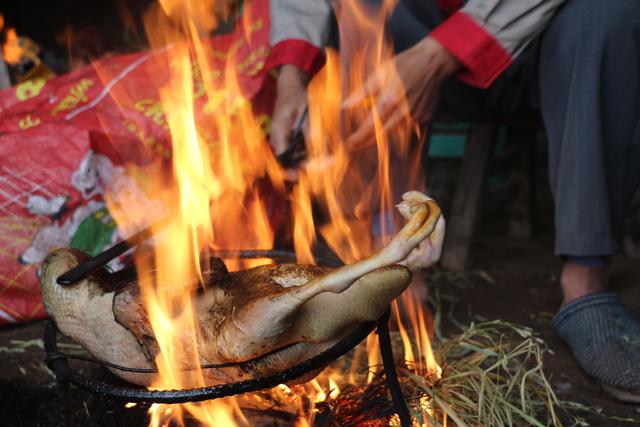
(58,361)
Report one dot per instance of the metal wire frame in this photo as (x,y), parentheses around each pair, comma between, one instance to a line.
(57,362)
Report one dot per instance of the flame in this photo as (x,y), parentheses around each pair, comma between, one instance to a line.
(351,185)
(355,186)
(12,51)
(212,192)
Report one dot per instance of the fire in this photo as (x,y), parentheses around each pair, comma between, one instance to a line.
(355,184)
(212,191)
(214,180)
(11,49)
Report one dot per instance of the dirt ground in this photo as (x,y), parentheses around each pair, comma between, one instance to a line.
(514,280)
(517,280)
(523,288)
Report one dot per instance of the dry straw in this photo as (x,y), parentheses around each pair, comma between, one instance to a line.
(493,376)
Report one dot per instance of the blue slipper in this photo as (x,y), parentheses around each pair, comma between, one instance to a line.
(605,340)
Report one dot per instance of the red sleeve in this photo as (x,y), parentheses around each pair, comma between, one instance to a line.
(481,54)
(296,52)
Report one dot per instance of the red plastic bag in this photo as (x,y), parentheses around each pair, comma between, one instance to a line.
(54,155)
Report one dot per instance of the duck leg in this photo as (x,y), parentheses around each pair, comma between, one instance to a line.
(265,323)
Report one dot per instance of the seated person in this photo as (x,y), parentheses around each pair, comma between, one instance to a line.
(581,62)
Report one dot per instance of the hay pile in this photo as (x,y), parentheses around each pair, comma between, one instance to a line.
(492,377)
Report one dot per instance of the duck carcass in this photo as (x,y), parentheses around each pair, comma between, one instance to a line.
(275,316)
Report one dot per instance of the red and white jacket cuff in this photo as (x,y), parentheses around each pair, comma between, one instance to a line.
(481,54)
(296,52)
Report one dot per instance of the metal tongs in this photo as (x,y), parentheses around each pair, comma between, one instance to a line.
(81,271)
(296,151)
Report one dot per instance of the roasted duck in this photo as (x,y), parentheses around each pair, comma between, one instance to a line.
(274,316)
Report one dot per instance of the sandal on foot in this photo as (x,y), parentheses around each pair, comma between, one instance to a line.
(605,340)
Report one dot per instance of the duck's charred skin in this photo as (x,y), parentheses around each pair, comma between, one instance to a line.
(275,316)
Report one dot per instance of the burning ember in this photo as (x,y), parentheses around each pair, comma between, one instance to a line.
(213,190)
(11,49)
(21,55)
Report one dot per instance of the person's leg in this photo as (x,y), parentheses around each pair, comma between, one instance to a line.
(590,100)
(590,95)
(582,276)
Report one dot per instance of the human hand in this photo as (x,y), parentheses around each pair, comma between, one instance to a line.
(421,70)
(291,99)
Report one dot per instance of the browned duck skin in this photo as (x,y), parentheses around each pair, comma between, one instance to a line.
(290,312)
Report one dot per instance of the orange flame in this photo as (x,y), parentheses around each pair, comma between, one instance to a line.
(212,191)
(12,51)
(351,185)
(210,195)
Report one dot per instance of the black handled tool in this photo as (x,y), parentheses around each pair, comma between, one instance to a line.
(296,151)
(81,271)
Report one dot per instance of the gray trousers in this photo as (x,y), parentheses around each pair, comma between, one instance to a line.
(583,73)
